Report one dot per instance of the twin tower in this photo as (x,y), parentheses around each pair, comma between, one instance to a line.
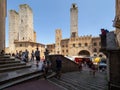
(21,26)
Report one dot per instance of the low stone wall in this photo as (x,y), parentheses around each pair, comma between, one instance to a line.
(67,64)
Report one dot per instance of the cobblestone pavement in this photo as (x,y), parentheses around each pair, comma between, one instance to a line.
(82,80)
(69,81)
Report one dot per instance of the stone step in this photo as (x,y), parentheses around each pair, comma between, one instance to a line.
(20,77)
(5,56)
(13,68)
(83,84)
(5,62)
(7,59)
(66,86)
(11,65)
(81,81)
(87,79)
(51,75)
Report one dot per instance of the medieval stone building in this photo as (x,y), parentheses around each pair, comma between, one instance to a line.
(75,45)
(21,31)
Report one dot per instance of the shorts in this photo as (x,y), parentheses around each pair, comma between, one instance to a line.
(37,58)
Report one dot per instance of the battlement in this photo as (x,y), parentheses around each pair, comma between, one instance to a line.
(86,36)
(74,5)
(13,12)
(25,6)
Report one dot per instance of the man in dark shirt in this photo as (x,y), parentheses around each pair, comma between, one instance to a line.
(37,55)
(58,67)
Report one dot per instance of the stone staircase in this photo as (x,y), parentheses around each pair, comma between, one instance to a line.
(81,81)
(10,64)
(13,71)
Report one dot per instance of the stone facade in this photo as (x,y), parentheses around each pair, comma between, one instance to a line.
(83,45)
(13,28)
(58,41)
(75,45)
(67,65)
(117,17)
(21,31)
(26,32)
(23,45)
(2,23)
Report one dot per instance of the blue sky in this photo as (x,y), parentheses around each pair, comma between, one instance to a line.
(52,14)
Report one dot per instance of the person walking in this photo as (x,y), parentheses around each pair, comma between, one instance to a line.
(93,70)
(37,55)
(45,68)
(26,55)
(80,66)
(32,55)
(58,68)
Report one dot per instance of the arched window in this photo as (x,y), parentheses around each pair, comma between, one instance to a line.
(86,44)
(94,44)
(20,45)
(73,45)
(79,44)
(66,50)
(95,50)
(100,55)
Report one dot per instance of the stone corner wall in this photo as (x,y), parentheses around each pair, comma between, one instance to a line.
(67,64)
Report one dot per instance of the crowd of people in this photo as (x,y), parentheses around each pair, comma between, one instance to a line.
(93,68)
(35,56)
(46,66)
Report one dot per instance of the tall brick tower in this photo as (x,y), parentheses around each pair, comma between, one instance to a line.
(58,41)
(26,32)
(74,20)
(2,24)
(13,29)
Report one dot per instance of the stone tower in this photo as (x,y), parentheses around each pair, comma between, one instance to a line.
(58,41)
(26,32)
(2,24)
(74,20)
(13,29)
(21,26)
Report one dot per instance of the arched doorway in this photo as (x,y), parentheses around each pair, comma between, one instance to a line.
(84,53)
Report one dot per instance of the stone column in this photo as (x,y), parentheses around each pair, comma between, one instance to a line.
(114,67)
(2,24)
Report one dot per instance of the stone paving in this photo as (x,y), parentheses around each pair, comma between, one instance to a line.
(82,81)
(69,81)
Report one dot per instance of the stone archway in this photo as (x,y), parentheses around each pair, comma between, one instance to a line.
(84,53)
